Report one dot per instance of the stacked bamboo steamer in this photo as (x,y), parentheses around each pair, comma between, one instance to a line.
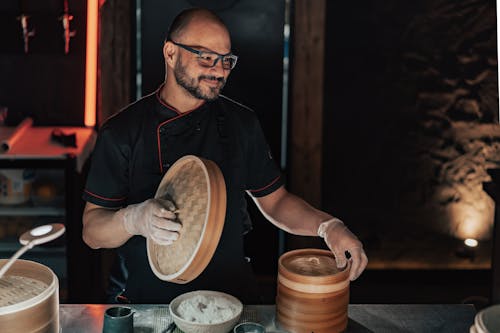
(196,186)
(29,298)
(312,294)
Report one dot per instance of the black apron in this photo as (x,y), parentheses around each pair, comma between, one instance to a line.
(208,132)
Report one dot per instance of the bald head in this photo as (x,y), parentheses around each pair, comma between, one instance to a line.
(182,21)
(196,52)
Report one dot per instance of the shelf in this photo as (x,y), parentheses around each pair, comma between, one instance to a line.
(51,257)
(54,198)
(54,208)
(10,246)
(32,211)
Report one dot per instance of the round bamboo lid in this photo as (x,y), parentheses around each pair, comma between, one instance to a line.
(197,188)
(312,271)
(311,263)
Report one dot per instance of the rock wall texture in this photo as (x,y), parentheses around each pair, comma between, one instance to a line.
(411,116)
(450,57)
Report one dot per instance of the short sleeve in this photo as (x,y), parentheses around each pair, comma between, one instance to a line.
(107,181)
(263,174)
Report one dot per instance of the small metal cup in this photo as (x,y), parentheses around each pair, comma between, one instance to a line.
(249,328)
(118,319)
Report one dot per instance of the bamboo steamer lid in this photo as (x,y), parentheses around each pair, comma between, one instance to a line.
(197,188)
(312,293)
(29,298)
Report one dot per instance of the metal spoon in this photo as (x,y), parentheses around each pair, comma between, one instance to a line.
(36,236)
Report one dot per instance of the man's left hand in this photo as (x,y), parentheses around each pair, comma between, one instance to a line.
(341,240)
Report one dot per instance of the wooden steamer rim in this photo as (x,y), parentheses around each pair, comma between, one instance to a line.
(328,283)
(312,293)
(197,187)
(33,270)
(39,313)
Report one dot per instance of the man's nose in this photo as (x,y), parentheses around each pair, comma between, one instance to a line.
(218,67)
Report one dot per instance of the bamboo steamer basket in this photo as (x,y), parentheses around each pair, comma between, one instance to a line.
(197,188)
(36,313)
(312,293)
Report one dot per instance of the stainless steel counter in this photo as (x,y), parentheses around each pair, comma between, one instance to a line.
(453,318)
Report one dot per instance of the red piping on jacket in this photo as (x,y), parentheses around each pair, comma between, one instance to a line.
(268,185)
(162,102)
(104,198)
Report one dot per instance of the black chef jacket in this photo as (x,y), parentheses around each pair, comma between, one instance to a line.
(137,146)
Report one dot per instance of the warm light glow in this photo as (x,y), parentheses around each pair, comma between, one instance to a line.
(96,312)
(472,216)
(471,242)
(91,62)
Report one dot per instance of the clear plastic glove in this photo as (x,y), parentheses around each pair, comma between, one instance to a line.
(153,218)
(340,239)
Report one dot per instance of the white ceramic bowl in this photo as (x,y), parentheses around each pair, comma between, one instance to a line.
(487,320)
(194,327)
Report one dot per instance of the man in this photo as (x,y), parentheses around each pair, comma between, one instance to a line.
(186,115)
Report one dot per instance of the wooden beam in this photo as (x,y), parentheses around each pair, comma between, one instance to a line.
(307,100)
(115,49)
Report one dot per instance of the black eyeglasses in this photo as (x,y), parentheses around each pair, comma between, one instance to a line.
(210,59)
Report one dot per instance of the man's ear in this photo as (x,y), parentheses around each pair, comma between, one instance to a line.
(169,53)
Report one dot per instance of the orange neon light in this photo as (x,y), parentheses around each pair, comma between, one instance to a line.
(91,62)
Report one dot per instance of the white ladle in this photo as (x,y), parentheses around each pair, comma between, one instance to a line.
(33,237)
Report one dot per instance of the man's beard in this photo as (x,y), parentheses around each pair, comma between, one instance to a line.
(192,85)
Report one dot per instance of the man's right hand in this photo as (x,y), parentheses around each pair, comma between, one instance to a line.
(153,218)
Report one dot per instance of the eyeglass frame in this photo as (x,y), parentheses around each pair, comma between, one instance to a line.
(199,53)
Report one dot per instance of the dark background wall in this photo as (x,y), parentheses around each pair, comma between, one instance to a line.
(45,83)
(410,128)
(411,107)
